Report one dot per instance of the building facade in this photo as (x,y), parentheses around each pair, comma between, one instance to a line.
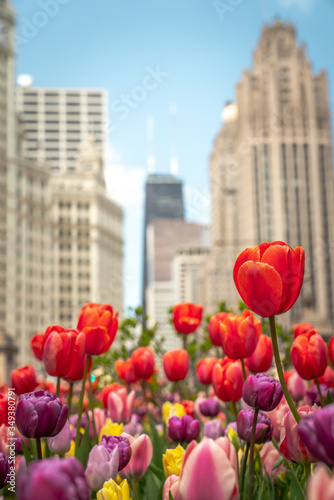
(271,171)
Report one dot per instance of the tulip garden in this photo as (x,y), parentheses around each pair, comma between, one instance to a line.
(243,411)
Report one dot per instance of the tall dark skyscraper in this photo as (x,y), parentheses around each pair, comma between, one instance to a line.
(163,200)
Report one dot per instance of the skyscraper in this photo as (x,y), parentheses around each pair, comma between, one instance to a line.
(271,173)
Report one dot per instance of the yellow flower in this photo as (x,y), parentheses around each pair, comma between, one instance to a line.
(170,410)
(71,451)
(111,491)
(233,438)
(111,428)
(172,460)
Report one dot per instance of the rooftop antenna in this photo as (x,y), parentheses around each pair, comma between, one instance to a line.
(174,162)
(150,141)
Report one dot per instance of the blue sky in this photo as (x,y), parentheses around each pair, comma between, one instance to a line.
(180,51)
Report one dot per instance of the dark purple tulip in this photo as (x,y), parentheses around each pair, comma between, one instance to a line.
(209,407)
(4,470)
(264,428)
(261,391)
(313,394)
(183,429)
(54,479)
(123,445)
(317,432)
(40,414)
(213,429)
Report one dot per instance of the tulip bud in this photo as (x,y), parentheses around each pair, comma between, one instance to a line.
(171,487)
(204,370)
(213,429)
(309,355)
(23,379)
(141,456)
(123,446)
(99,324)
(143,362)
(187,317)
(61,443)
(261,391)
(209,407)
(102,465)
(176,364)
(183,429)
(227,379)
(264,428)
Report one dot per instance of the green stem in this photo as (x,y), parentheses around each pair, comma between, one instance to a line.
(307,470)
(39,448)
(92,408)
(243,471)
(280,370)
(69,401)
(235,411)
(134,485)
(251,458)
(58,386)
(184,341)
(322,401)
(243,369)
(81,403)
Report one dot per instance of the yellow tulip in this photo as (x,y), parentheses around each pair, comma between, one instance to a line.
(71,451)
(233,438)
(111,428)
(111,491)
(172,460)
(170,410)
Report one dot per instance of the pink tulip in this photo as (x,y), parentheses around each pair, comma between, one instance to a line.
(102,465)
(142,453)
(269,456)
(291,446)
(230,451)
(297,386)
(61,443)
(276,417)
(171,485)
(3,439)
(207,473)
(320,486)
(100,419)
(120,405)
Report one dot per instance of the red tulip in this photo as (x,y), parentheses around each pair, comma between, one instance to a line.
(331,350)
(240,334)
(78,373)
(262,357)
(36,343)
(189,406)
(125,370)
(107,389)
(63,351)
(269,277)
(214,327)
(3,409)
(309,355)
(176,364)
(187,317)
(23,379)
(302,328)
(327,378)
(99,324)
(204,370)
(227,379)
(143,362)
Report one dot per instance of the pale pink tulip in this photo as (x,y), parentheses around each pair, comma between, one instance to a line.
(230,451)
(171,485)
(269,456)
(61,443)
(291,445)
(207,473)
(102,465)
(142,453)
(100,420)
(297,386)
(320,486)
(120,405)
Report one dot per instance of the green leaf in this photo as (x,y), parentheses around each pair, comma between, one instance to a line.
(170,496)
(83,451)
(157,471)
(152,487)
(296,490)
(278,463)
(329,398)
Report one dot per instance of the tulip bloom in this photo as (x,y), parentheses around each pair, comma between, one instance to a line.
(317,432)
(269,277)
(261,391)
(182,429)
(171,487)
(320,485)
(107,389)
(102,465)
(141,456)
(262,357)
(63,351)
(297,386)
(189,406)
(143,362)
(99,324)
(291,445)
(213,429)
(227,379)
(61,443)
(36,343)
(111,491)
(3,409)
(204,370)
(240,334)
(23,379)
(264,428)
(172,460)
(123,446)
(331,350)
(53,479)
(302,328)
(327,378)
(269,456)
(120,405)
(214,327)
(125,370)
(309,355)
(176,364)
(40,414)
(187,317)
(4,470)
(207,473)
(209,407)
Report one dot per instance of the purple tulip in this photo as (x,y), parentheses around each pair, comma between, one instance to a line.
(317,432)
(209,407)
(313,394)
(53,478)
(183,428)
(4,470)
(261,391)
(74,420)
(264,428)
(40,414)
(123,445)
(213,429)
(102,465)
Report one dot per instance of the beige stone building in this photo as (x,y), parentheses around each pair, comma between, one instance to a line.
(271,174)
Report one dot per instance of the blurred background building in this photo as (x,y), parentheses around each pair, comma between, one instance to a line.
(271,175)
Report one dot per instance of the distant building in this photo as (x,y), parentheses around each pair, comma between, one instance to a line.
(186,268)
(271,175)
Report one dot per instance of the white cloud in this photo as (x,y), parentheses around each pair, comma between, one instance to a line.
(304,5)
